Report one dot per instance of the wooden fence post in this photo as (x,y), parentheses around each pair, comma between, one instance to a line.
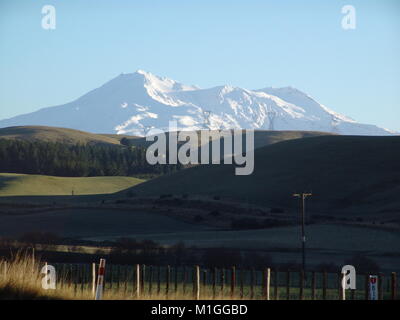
(214,282)
(138,281)
(222,281)
(150,280)
(313,285)
(252,280)
(342,286)
(267,283)
(301,285)
(118,276)
(241,283)
(111,276)
(380,286)
(394,286)
(176,280)
(168,279)
(324,284)
(159,280)
(71,270)
(197,283)
(142,278)
(93,278)
(82,275)
(233,281)
(126,279)
(288,285)
(276,285)
(76,274)
(184,280)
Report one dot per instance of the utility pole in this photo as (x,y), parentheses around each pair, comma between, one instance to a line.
(302,197)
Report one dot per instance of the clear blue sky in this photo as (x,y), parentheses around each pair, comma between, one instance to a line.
(250,44)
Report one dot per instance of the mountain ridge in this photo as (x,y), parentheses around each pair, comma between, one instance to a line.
(133,103)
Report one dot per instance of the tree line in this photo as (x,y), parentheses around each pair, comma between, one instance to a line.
(79,160)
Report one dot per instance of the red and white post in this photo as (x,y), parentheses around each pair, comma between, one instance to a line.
(100,280)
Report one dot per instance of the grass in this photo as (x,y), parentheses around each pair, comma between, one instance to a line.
(55,134)
(12,184)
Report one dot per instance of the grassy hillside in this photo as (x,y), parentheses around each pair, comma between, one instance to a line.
(71,136)
(347,173)
(24,185)
(54,134)
(261,137)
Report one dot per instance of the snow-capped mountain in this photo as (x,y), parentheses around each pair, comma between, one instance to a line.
(134,103)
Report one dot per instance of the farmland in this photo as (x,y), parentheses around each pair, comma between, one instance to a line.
(23,184)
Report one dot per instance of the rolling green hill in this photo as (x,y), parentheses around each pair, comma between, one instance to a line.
(27,185)
(54,134)
(345,173)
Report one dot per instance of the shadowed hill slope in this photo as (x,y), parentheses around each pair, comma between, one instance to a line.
(345,173)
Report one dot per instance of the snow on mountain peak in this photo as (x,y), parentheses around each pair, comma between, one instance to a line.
(130,103)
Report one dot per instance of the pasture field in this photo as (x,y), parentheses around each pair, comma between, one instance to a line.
(12,184)
(93,223)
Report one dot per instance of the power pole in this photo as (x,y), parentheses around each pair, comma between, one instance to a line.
(302,197)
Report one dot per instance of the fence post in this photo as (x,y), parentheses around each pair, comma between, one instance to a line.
(394,286)
(159,280)
(324,284)
(241,283)
(137,281)
(150,280)
(111,276)
(176,280)
(252,284)
(214,282)
(313,285)
(70,276)
(276,285)
(301,285)
(222,281)
(197,283)
(142,279)
(93,278)
(184,280)
(233,281)
(267,283)
(342,286)
(288,285)
(118,276)
(380,286)
(168,274)
(366,287)
(126,279)
(100,280)
(83,278)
